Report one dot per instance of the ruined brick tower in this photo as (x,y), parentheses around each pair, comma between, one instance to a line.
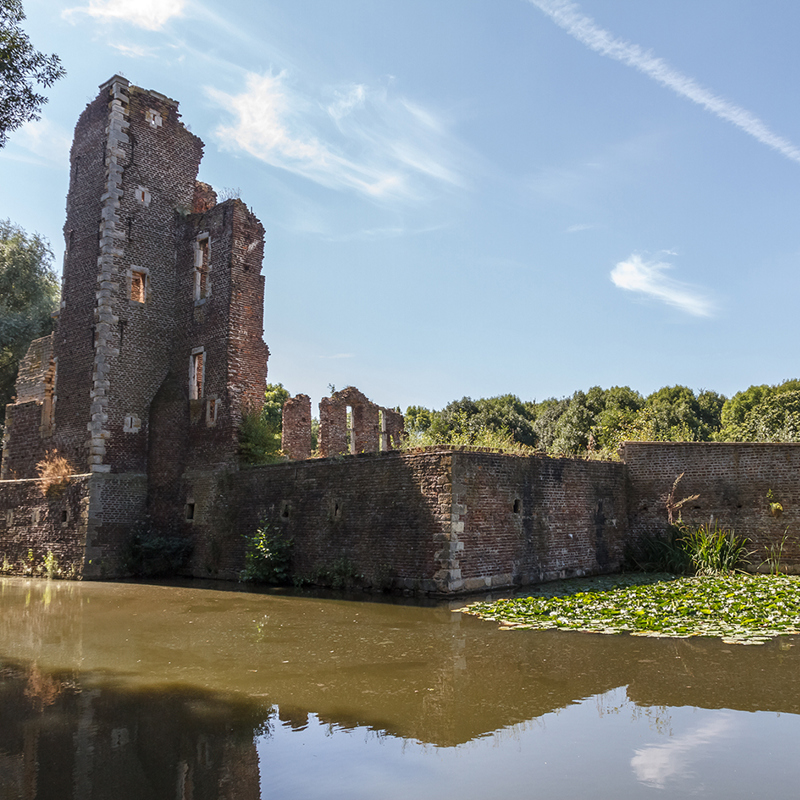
(158,349)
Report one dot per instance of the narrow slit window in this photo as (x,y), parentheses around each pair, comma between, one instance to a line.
(197,375)
(202,261)
(212,409)
(351,438)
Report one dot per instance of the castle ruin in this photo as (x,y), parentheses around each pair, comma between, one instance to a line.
(158,353)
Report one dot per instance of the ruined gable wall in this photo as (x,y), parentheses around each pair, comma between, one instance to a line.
(247,365)
(33,369)
(225,324)
(296,427)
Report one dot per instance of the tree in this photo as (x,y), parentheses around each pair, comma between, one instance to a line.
(763,414)
(260,428)
(29,291)
(21,68)
(741,413)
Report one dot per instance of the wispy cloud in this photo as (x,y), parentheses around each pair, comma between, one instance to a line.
(134,51)
(655,764)
(152,15)
(649,278)
(568,16)
(582,226)
(361,139)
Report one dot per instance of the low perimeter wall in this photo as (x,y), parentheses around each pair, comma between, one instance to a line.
(733,481)
(443,521)
(33,524)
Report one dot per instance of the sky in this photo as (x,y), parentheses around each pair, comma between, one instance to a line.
(474,197)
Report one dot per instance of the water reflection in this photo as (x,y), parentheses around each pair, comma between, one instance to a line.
(123,690)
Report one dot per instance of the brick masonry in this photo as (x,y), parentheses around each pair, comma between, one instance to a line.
(442,521)
(732,481)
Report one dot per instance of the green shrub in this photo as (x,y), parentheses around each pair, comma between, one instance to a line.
(268,556)
(714,550)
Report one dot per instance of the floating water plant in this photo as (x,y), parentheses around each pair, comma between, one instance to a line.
(740,609)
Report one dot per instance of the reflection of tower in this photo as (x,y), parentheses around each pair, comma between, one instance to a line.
(76,744)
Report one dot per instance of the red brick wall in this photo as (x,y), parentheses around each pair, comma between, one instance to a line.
(383,514)
(732,480)
(40,524)
(24,447)
(529,519)
(443,521)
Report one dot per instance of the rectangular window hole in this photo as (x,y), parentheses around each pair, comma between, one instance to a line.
(517,506)
(138,286)
(65,515)
(190,512)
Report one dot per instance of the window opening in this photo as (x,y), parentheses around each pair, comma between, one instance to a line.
(351,438)
(212,407)
(190,512)
(197,375)
(202,257)
(516,506)
(384,440)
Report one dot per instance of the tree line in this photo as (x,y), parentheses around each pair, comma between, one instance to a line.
(597,421)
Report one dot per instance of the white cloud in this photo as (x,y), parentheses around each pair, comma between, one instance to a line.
(568,16)
(648,278)
(656,763)
(581,226)
(363,140)
(152,15)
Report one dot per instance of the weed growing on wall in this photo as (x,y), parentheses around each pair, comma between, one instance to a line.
(708,549)
(268,556)
(53,471)
(341,573)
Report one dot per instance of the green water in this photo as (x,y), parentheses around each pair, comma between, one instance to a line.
(151,691)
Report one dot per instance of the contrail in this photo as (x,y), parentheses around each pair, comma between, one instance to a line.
(568,16)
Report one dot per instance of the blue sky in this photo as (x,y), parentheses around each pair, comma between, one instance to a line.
(474,197)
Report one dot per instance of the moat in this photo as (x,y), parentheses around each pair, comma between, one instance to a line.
(206,691)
